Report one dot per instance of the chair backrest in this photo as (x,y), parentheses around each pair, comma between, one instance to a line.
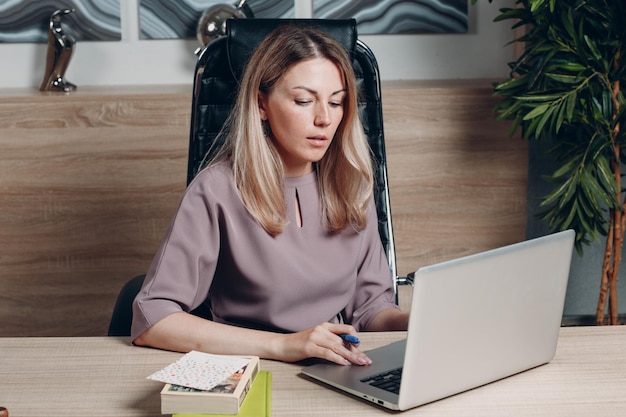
(220,66)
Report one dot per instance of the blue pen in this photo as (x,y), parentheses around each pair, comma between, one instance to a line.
(348,338)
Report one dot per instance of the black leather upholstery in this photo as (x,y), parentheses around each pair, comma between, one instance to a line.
(243,36)
(218,69)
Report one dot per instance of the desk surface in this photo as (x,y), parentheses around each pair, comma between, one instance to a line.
(104,376)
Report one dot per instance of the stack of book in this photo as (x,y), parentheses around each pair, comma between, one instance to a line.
(201,384)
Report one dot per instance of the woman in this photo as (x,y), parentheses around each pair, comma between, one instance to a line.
(278,235)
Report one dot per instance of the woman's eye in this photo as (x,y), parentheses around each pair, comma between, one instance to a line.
(302,102)
(335,104)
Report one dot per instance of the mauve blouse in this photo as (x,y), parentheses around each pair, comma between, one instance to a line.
(214,252)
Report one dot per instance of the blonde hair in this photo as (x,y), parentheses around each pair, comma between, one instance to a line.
(344,173)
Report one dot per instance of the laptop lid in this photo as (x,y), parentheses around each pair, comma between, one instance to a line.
(473,320)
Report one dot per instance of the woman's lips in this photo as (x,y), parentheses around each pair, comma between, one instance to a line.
(317,140)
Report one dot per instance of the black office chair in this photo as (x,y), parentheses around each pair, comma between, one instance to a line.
(219,67)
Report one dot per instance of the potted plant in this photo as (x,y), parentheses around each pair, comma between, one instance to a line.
(565,90)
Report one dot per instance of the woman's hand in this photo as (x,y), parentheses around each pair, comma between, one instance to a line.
(322,341)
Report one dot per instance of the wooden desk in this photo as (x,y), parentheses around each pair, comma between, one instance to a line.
(100,376)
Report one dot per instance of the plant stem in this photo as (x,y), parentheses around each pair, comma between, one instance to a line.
(606,271)
(615,238)
(620,218)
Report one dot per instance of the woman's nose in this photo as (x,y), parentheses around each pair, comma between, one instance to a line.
(322,116)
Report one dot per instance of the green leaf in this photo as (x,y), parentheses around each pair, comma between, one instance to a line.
(505,113)
(540,98)
(547,115)
(586,227)
(536,5)
(507,13)
(593,48)
(560,117)
(571,66)
(568,23)
(605,175)
(571,105)
(539,110)
(563,194)
(589,211)
(568,196)
(565,169)
(565,78)
(565,224)
(512,84)
(590,190)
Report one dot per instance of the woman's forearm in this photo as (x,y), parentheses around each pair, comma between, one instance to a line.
(183,332)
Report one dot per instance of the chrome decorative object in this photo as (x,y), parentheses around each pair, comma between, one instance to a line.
(212,23)
(60,49)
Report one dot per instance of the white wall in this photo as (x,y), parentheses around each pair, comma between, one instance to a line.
(480,53)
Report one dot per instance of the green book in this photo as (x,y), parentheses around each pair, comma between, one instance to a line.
(258,402)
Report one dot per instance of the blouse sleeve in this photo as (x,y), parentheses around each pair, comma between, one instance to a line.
(374,287)
(182,270)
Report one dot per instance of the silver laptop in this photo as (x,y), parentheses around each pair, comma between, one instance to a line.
(473,320)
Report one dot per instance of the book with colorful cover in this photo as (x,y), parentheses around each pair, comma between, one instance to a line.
(204,383)
(258,402)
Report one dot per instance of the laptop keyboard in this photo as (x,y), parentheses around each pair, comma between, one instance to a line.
(389,380)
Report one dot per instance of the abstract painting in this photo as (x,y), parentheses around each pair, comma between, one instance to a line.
(397,16)
(29,20)
(169,19)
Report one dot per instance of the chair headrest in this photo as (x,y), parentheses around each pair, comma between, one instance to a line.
(244,35)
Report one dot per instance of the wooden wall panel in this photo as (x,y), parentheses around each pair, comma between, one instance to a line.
(457,180)
(90,180)
(88,183)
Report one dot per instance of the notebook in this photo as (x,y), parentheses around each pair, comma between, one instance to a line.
(473,320)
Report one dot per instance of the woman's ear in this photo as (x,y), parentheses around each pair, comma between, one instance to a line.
(262,100)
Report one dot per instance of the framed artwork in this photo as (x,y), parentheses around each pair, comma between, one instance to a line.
(169,19)
(99,20)
(29,20)
(397,16)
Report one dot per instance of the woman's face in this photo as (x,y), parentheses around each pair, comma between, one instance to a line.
(304,109)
